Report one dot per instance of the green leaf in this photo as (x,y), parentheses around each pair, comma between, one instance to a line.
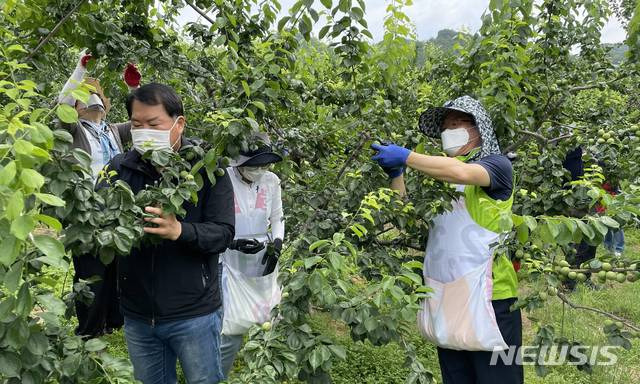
(50,246)
(22,226)
(531,222)
(339,351)
(282,22)
(51,303)
(609,222)
(327,3)
(599,226)
(413,276)
(260,105)
(10,364)
(9,249)
(24,303)
(323,32)
(8,173)
(12,278)
(370,324)
(31,179)
(246,88)
(16,47)
(315,358)
(318,244)
(522,232)
(52,222)
(350,247)
(50,199)
(316,281)
(15,205)
(586,230)
(67,113)
(38,344)
(413,264)
(311,261)
(95,345)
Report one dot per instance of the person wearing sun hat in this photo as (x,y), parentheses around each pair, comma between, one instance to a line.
(251,260)
(91,132)
(102,141)
(468,314)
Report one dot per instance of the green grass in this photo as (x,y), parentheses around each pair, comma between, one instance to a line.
(368,364)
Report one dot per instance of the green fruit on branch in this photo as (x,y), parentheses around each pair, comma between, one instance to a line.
(582,277)
(564,263)
(608,323)
(565,270)
(266,326)
(606,267)
(572,275)
(612,275)
(619,324)
(621,278)
(552,291)
(542,295)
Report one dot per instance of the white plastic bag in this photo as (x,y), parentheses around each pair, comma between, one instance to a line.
(247,300)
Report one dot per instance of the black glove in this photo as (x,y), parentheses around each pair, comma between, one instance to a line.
(250,246)
(271,256)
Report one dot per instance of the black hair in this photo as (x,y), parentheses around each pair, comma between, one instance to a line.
(154,94)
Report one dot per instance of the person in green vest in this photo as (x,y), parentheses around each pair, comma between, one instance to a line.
(468,315)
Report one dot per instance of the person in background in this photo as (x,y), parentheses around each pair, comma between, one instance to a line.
(169,292)
(614,239)
(259,220)
(468,315)
(91,132)
(583,250)
(102,141)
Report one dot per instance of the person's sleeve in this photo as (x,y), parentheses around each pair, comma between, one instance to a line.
(501,175)
(276,219)
(72,83)
(215,233)
(124,130)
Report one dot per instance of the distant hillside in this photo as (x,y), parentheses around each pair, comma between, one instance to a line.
(617,52)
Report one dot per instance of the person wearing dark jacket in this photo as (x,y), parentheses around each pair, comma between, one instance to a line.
(169,292)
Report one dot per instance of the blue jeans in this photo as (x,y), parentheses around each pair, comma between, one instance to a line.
(195,342)
(614,240)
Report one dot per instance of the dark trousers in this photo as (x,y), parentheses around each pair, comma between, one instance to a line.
(104,310)
(472,367)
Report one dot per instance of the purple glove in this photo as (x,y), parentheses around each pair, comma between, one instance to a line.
(390,156)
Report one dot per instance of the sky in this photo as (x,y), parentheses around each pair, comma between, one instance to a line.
(430,16)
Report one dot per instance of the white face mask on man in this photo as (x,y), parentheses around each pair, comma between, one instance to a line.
(253,173)
(147,139)
(453,140)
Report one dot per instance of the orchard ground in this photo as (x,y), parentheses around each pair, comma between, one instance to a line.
(384,365)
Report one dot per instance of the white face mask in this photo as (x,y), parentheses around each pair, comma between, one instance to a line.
(148,139)
(252,173)
(453,140)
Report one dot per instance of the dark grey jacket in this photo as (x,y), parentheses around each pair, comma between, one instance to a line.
(121,132)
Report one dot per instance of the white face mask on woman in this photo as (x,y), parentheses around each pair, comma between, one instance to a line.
(453,140)
(253,173)
(147,139)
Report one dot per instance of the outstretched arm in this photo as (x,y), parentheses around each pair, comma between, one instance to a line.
(75,80)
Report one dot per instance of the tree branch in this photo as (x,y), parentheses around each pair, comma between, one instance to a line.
(354,154)
(201,12)
(598,85)
(596,310)
(54,30)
